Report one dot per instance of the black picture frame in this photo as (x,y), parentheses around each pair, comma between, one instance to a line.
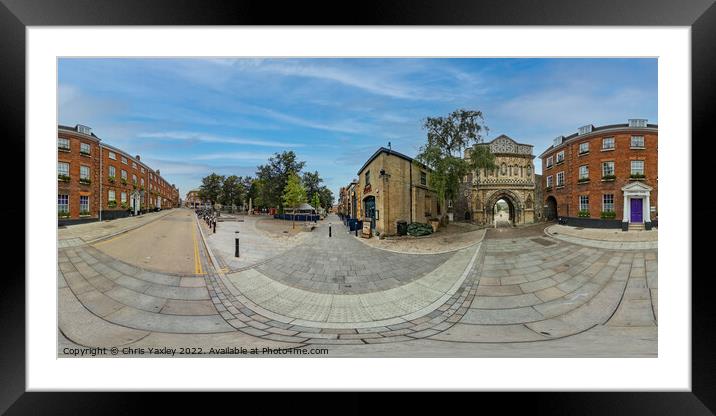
(16,15)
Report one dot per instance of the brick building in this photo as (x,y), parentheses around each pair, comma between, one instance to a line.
(391,188)
(193,200)
(99,181)
(603,176)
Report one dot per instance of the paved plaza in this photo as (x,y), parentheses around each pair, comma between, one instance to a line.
(525,291)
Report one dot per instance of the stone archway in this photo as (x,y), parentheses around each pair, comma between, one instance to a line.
(513,202)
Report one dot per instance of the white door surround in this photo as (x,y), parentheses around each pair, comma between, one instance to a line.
(637,190)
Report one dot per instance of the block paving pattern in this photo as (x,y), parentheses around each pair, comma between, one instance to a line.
(516,290)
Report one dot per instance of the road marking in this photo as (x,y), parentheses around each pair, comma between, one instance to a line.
(197,260)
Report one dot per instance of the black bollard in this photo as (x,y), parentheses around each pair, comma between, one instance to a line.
(214,226)
(356,229)
(236,250)
(329,230)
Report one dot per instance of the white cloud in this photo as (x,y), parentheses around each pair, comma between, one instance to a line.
(210,138)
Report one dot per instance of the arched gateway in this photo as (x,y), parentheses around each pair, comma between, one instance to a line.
(512,181)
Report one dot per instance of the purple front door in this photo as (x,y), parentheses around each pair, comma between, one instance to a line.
(637,214)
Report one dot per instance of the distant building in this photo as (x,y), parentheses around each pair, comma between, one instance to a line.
(604,176)
(193,200)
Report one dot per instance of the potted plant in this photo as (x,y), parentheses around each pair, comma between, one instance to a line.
(110,179)
(637,176)
(63,178)
(85,181)
(63,214)
(583,214)
(84,213)
(124,181)
(582,180)
(608,215)
(608,177)
(112,204)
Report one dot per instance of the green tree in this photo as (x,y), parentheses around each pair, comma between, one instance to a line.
(274,177)
(312,182)
(316,201)
(447,139)
(232,191)
(293,193)
(211,187)
(326,197)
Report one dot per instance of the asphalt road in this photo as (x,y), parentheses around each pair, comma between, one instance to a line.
(169,244)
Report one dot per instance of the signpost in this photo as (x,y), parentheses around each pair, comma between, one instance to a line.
(366,228)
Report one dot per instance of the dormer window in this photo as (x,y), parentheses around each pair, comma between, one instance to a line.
(585,129)
(84,129)
(558,140)
(637,122)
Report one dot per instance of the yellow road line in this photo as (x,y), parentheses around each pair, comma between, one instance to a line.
(197,260)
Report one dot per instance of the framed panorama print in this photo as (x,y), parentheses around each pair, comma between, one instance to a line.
(406,197)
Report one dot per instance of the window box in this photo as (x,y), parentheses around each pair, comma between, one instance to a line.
(63,178)
(559,162)
(582,180)
(85,214)
(110,179)
(608,215)
(63,149)
(63,214)
(124,181)
(125,205)
(586,152)
(84,153)
(637,147)
(547,189)
(85,181)
(583,214)
(637,177)
(112,204)
(608,178)
(607,149)
(549,166)
(560,186)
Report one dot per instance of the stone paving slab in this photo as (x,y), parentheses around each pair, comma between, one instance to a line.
(80,234)
(87,329)
(563,233)
(135,318)
(489,333)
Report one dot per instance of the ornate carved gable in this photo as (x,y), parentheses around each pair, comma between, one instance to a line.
(504,144)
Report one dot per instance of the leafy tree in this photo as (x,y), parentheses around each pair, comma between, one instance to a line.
(293,193)
(232,191)
(326,197)
(315,201)
(211,187)
(312,183)
(274,177)
(447,138)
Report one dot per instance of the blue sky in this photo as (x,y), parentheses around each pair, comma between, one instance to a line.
(191,117)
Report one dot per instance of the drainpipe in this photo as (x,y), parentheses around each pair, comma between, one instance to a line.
(411,191)
(101,172)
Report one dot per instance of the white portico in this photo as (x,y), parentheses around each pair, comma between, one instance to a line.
(637,205)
